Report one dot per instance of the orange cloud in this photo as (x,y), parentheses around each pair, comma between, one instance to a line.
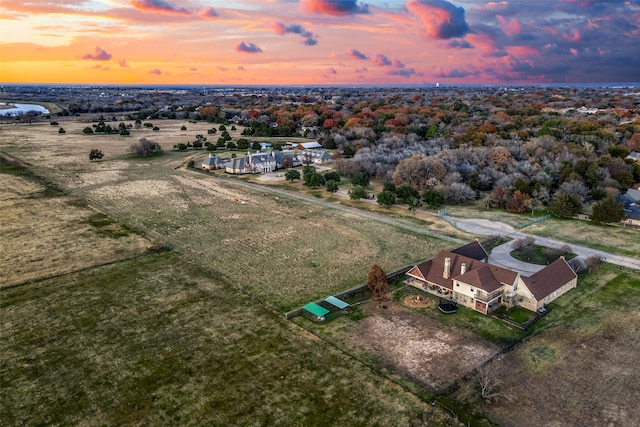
(160,6)
(100,55)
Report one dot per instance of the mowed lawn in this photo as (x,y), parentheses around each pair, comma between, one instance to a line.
(158,341)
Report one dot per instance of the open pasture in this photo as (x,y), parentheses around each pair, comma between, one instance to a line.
(158,341)
(47,233)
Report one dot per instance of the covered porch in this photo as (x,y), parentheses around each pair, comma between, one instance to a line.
(430,288)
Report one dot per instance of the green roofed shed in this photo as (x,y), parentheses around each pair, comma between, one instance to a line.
(315,309)
(336,302)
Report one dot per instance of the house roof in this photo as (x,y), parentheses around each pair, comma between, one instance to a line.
(212,160)
(315,309)
(550,279)
(307,145)
(479,274)
(633,194)
(472,250)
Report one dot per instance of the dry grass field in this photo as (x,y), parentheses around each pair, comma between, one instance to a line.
(46,233)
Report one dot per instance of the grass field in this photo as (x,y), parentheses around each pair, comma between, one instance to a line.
(158,341)
(102,331)
(622,241)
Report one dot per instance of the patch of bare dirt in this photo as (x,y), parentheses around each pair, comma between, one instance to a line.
(562,379)
(431,353)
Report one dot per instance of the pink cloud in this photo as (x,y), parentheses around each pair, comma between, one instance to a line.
(156,71)
(380,60)
(573,36)
(573,51)
(208,12)
(160,6)
(123,63)
(334,7)
(511,27)
(440,19)
(331,70)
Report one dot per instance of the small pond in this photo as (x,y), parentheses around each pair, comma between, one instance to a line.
(16,109)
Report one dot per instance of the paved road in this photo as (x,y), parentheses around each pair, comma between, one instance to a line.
(500,255)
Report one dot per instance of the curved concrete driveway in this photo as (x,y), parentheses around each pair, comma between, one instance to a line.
(500,255)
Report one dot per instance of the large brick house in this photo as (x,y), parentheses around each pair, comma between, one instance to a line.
(464,276)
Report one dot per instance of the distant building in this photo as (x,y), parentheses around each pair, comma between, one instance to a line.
(252,163)
(213,162)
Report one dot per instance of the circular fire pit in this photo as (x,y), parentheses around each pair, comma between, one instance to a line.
(417,301)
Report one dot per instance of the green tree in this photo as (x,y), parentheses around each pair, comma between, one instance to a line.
(565,205)
(183,127)
(332,176)
(243,144)
(87,131)
(331,186)
(358,192)
(377,283)
(361,179)
(607,210)
(231,145)
(386,198)
(61,130)
(313,179)
(95,154)
(292,174)
(406,193)
(389,186)
(433,198)
(255,145)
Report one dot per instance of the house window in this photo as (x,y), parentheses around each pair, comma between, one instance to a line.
(471,289)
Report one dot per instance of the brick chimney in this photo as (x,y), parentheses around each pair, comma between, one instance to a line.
(447,268)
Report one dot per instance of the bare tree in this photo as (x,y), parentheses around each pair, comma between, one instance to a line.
(377,283)
(491,387)
(145,148)
(593,262)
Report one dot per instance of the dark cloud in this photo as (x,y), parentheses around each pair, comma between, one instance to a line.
(282,29)
(331,70)
(159,6)
(334,7)
(248,48)
(404,72)
(355,53)
(100,55)
(208,12)
(381,60)
(461,44)
(440,19)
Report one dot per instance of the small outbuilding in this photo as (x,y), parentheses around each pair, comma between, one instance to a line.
(337,302)
(316,310)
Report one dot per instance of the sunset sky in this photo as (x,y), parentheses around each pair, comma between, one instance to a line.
(321,42)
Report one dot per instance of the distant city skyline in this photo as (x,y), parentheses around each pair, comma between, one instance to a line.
(319,42)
